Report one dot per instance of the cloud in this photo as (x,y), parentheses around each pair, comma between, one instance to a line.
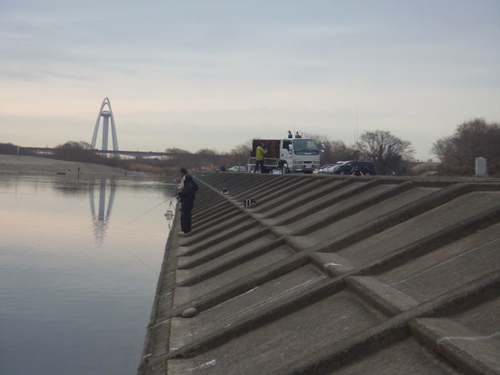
(188,74)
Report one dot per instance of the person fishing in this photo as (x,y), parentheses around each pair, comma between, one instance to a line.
(180,185)
(187,196)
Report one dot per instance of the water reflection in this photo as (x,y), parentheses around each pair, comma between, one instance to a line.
(67,304)
(101,219)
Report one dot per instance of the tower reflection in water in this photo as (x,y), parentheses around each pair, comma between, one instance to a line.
(107,191)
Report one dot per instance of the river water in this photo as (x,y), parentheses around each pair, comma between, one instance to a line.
(79,264)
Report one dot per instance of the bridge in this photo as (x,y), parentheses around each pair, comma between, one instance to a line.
(106,116)
(144,154)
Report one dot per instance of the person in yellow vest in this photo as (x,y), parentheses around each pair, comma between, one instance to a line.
(260,154)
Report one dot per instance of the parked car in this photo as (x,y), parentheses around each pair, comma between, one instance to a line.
(329,169)
(366,167)
(323,168)
(237,168)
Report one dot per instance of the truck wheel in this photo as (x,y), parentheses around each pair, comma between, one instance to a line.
(284,168)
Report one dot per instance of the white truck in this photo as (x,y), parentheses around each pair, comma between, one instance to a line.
(288,155)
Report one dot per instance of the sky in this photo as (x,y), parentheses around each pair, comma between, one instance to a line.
(197,74)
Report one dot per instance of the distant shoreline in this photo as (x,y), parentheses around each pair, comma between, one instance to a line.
(15,164)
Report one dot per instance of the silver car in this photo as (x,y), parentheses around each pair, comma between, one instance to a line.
(237,168)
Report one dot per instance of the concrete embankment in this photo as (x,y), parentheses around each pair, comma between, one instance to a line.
(331,275)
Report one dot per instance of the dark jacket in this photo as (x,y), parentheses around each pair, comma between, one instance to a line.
(188,193)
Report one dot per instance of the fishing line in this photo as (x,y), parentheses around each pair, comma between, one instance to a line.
(130,252)
(147,204)
(140,260)
(144,213)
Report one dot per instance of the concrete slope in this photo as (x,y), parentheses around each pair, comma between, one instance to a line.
(331,275)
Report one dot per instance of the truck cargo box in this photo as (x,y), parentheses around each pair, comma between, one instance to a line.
(271,145)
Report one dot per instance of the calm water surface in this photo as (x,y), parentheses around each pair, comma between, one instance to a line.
(79,263)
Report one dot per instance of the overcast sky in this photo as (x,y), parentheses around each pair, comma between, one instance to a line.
(215,74)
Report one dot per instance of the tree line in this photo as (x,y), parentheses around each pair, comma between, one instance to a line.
(391,155)
(472,139)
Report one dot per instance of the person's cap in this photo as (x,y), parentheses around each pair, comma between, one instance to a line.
(183,170)
(189,176)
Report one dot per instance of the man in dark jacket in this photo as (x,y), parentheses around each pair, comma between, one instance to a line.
(187,196)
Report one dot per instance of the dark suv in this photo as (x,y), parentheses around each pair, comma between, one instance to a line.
(366,167)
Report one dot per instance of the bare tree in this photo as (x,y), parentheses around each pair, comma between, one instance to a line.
(78,151)
(240,154)
(175,150)
(339,151)
(8,148)
(448,150)
(388,152)
(208,158)
(207,151)
(472,139)
(332,151)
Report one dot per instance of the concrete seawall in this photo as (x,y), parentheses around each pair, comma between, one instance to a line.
(331,275)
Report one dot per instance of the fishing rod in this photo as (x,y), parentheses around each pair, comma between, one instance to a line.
(152,208)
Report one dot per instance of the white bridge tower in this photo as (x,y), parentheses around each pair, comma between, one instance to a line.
(106,115)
